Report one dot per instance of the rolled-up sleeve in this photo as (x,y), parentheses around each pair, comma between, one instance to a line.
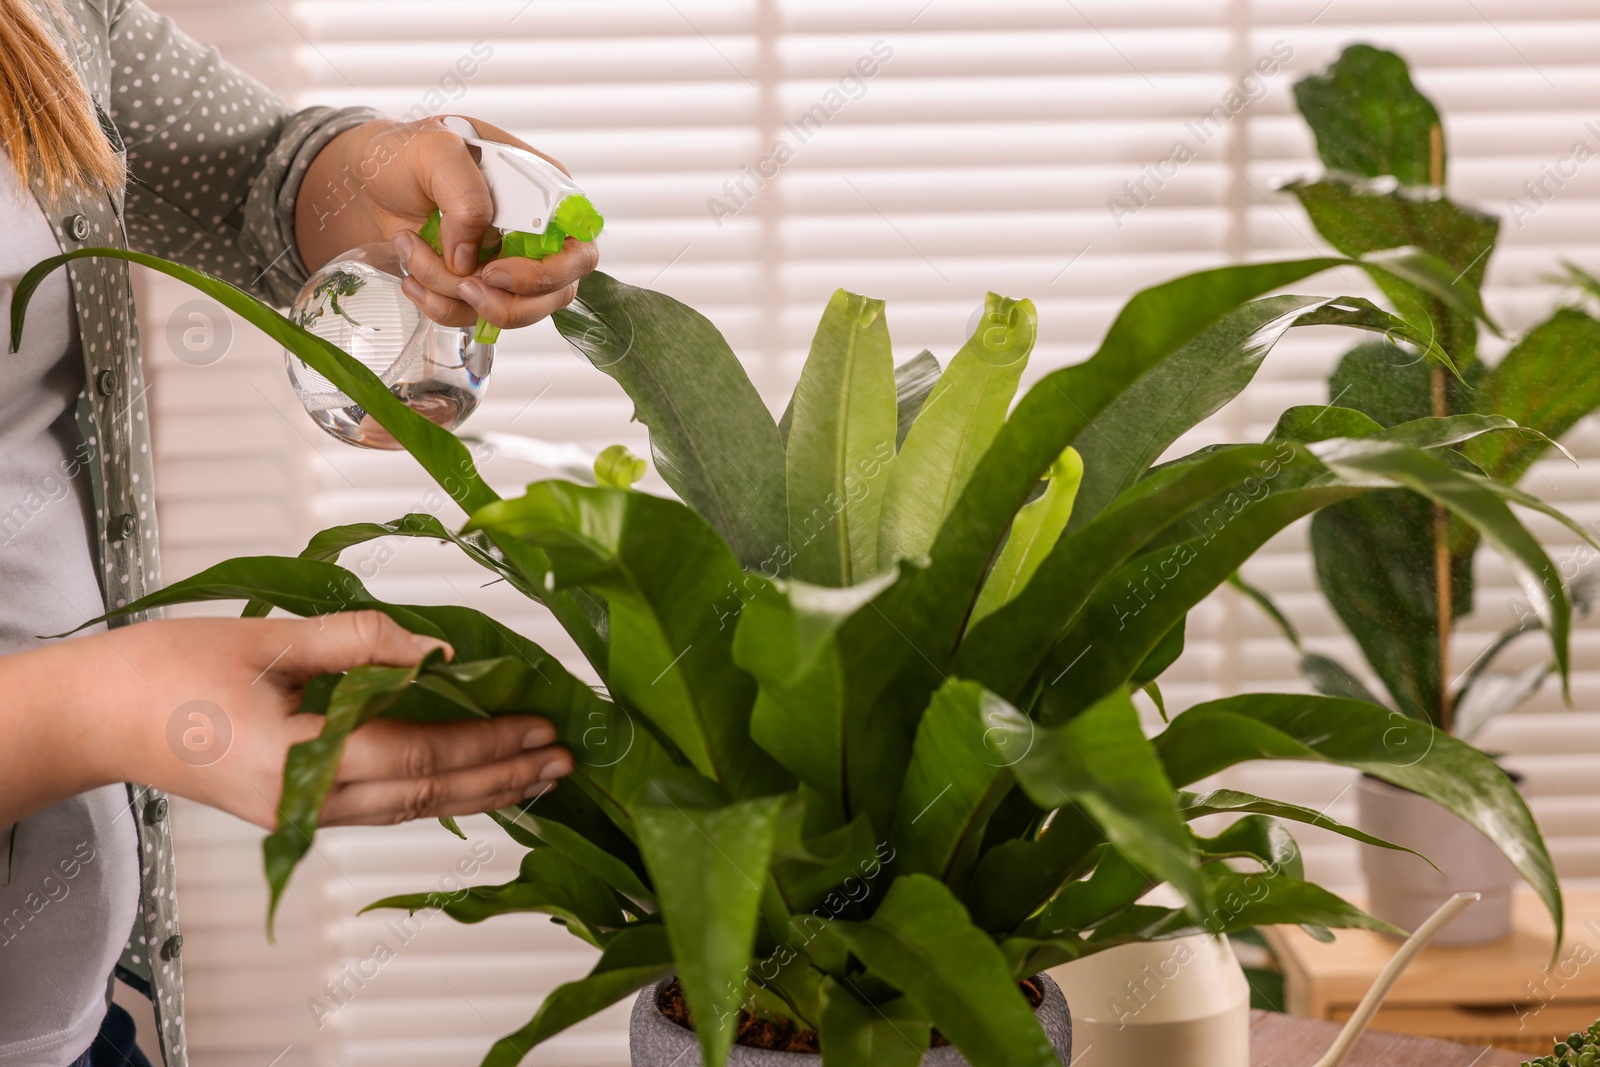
(215,158)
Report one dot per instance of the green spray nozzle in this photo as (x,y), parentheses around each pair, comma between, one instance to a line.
(574,217)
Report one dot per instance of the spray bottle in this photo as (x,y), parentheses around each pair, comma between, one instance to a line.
(355,300)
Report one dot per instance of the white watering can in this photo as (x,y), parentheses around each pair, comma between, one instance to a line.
(1185,1002)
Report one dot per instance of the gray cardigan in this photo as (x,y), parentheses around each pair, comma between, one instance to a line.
(215,162)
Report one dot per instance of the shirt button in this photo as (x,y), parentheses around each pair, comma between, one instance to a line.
(122,526)
(106,382)
(155,811)
(171,947)
(78,227)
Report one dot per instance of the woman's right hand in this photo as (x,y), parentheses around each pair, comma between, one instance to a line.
(113,706)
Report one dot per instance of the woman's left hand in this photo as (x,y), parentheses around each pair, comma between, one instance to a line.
(381,180)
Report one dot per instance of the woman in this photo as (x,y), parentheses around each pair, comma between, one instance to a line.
(117,129)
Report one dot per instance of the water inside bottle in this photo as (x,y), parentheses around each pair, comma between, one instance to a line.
(355,301)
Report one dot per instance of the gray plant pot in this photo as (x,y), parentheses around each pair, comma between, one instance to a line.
(656,1041)
(1404,890)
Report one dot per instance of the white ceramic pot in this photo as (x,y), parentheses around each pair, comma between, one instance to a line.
(1179,1003)
(1404,890)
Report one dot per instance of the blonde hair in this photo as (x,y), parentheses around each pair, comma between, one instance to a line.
(47,120)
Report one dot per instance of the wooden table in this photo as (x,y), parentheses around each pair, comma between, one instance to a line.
(1288,1041)
(1507,995)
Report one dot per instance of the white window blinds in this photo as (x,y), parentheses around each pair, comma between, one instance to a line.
(750,157)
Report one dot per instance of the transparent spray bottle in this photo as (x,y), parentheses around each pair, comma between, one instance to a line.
(355,300)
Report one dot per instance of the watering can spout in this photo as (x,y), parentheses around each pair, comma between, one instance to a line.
(1391,973)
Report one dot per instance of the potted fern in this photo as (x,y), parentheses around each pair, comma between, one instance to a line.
(865,761)
(1396,568)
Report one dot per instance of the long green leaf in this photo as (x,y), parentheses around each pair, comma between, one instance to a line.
(1482,503)
(708,865)
(662,571)
(955,426)
(1034,532)
(841,443)
(308,773)
(1114,884)
(547,882)
(923,942)
(1233,801)
(1017,876)
(1394,225)
(636,957)
(1005,649)
(329,544)
(1400,750)
(854,1034)
(712,438)
(1195,382)
(1101,762)
(556,836)
(1547,382)
(439,451)
(811,713)
(953,784)
(1370,120)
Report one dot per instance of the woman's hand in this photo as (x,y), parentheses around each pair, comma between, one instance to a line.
(113,707)
(381,180)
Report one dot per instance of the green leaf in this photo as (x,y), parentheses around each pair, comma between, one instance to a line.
(841,443)
(662,571)
(708,865)
(1547,382)
(1241,901)
(815,711)
(439,451)
(1017,876)
(308,773)
(1481,502)
(1256,837)
(913,381)
(1050,416)
(1232,801)
(1399,750)
(636,956)
(1114,884)
(854,1034)
(617,468)
(579,850)
(954,428)
(1393,226)
(1004,650)
(954,783)
(923,942)
(302,587)
(1034,532)
(713,440)
(806,866)
(1194,383)
(328,545)
(1164,655)
(547,882)
(1370,120)
(1102,762)
(1147,597)
(1375,564)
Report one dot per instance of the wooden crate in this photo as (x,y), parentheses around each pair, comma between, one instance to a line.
(1510,994)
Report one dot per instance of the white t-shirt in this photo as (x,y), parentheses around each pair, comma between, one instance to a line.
(73,886)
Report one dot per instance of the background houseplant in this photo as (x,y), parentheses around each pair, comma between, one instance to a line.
(854,764)
(1396,568)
